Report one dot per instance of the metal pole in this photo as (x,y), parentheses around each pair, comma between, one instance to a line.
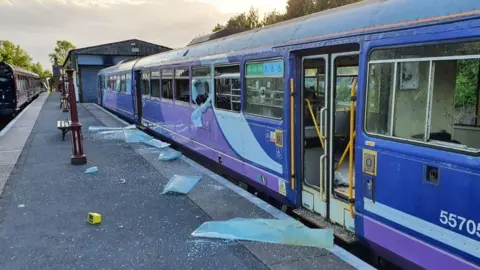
(64,93)
(78,157)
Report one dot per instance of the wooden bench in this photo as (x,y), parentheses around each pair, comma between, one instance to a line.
(66,103)
(65,126)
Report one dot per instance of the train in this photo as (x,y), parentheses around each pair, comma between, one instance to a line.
(18,87)
(363,117)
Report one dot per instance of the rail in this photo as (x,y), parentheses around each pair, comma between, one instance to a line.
(352,138)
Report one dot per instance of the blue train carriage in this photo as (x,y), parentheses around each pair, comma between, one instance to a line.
(116,89)
(282,105)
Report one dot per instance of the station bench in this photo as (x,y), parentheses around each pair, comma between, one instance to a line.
(65,126)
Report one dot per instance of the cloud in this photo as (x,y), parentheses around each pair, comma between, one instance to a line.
(36,25)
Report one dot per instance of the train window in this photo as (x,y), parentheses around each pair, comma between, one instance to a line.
(122,83)
(200,84)
(111,83)
(113,78)
(182,84)
(167,84)
(104,82)
(145,86)
(155,81)
(227,88)
(128,82)
(265,89)
(426,93)
(118,83)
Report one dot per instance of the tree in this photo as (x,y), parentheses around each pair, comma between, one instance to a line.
(294,9)
(247,20)
(272,18)
(218,27)
(61,51)
(298,8)
(38,68)
(14,55)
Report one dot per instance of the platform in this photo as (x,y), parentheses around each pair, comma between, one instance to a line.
(45,201)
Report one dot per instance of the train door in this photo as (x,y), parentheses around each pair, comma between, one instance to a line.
(341,136)
(100,90)
(328,83)
(138,97)
(7,87)
(314,85)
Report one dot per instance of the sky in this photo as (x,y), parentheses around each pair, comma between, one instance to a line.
(36,25)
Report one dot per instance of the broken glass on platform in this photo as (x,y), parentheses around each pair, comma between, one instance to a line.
(102,128)
(168,154)
(287,232)
(157,143)
(91,170)
(181,184)
(136,136)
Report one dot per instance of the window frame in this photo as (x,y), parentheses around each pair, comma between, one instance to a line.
(439,145)
(123,82)
(230,77)
(128,78)
(182,78)
(245,77)
(211,71)
(148,72)
(159,82)
(162,69)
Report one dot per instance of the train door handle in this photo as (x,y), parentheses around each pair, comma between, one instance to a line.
(322,130)
(322,176)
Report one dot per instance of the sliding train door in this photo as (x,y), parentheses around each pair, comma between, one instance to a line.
(137,95)
(341,137)
(314,95)
(328,93)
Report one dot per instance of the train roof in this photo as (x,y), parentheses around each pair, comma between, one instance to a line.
(16,69)
(120,67)
(363,17)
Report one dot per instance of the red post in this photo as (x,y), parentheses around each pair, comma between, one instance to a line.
(78,158)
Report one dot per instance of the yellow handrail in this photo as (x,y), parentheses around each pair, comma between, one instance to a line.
(292,134)
(342,159)
(352,138)
(315,123)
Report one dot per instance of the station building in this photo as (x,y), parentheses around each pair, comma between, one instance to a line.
(88,61)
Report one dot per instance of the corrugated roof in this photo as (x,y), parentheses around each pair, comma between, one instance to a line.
(119,48)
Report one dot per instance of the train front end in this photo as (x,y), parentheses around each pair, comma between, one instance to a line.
(7,90)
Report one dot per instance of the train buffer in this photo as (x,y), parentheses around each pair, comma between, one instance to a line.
(141,225)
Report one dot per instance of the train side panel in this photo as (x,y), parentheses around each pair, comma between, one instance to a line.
(418,197)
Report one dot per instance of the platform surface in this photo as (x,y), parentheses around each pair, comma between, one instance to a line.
(45,201)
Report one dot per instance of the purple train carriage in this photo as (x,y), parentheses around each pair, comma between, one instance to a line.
(364,117)
(17,88)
